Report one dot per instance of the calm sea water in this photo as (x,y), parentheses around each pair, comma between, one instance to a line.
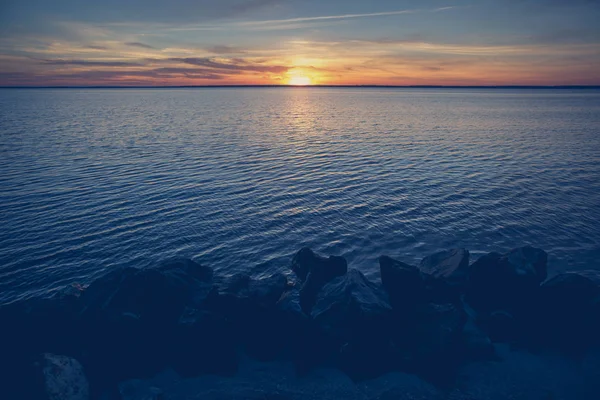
(240,179)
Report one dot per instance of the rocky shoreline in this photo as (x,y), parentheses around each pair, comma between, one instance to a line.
(430,321)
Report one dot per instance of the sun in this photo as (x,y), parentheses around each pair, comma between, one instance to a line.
(300,80)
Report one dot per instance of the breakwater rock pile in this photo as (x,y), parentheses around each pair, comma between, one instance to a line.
(429,320)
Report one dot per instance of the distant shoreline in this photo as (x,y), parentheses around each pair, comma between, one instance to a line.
(561,87)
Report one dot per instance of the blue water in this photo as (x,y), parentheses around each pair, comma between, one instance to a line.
(240,179)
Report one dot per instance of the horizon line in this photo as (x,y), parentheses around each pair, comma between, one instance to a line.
(303,86)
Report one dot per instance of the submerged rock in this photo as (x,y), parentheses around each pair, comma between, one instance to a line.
(314,272)
(403,283)
(354,314)
(64,378)
(507,282)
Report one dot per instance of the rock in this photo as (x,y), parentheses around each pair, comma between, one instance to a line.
(129,318)
(315,271)
(399,386)
(570,308)
(64,378)
(263,292)
(436,339)
(354,314)
(152,295)
(306,262)
(501,326)
(449,265)
(403,283)
(446,273)
(250,305)
(507,282)
(204,342)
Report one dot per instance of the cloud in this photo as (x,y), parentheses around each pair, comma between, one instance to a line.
(225,50)
(140,45)
(234,64)
(90,63)
(95,47)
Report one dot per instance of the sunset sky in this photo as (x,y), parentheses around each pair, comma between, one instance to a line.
(384,42)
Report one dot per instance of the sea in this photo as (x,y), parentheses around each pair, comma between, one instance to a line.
(241,178)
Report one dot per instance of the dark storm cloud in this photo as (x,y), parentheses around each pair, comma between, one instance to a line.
(140,45)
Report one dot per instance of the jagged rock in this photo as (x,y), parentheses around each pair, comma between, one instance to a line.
(507,282)
(446,273)
(64,378)
(315,271)
(570,311)
(403,283)
(354,314)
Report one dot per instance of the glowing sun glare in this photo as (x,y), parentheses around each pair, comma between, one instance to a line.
(300,80)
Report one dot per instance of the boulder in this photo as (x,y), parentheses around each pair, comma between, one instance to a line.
(507,282)
(477,345)
(501,326)
(403,283)
(446,273)
(436,338)
(314,272)
(129,318)
(570,310)
(354,315)
(250,305)
(64,378)
(203,342)
(155,296)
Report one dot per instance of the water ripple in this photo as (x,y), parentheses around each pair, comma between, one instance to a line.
(240,179)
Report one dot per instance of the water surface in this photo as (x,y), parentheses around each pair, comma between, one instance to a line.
(240,179)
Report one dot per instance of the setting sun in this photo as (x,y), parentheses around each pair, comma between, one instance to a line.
(300,80)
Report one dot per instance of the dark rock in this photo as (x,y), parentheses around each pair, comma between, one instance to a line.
(250,305)
(501,327)
(477,345)
(306,262)
(570,308)
(507,282)
(152,295)
(315,271)
(354,315)
(64,378)
(298,337)
(436,342)
(448,265)
(402,282)
(262,292)
(204,342)
(446,273)
(129,317)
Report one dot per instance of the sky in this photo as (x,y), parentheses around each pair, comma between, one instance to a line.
(280,42)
